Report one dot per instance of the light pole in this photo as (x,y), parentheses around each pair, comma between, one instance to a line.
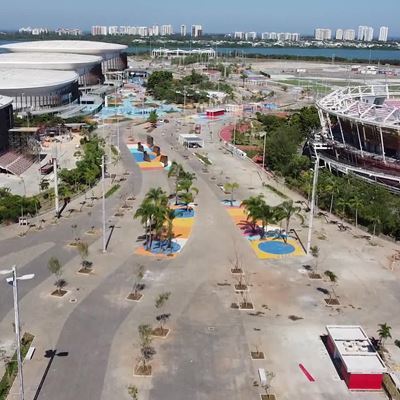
(103,165)
(264,134)
(314,189)
(14,280)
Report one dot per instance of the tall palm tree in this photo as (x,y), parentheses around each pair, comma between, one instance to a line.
(146,212)
(333,189)
(170,216)
(278,215)
(176,170)
(231,187)
(252,207)
(157,196)
(187,198)
(384,332)
(289,211)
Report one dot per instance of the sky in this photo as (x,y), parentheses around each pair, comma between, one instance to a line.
(217,16)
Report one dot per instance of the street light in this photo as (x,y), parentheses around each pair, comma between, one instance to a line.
(264,135)
(14,280)
(314,189)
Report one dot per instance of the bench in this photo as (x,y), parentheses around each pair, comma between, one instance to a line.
(30,352)
(263,377)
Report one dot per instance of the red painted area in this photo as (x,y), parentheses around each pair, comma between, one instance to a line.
(226,133)
(364,381)
(306,373)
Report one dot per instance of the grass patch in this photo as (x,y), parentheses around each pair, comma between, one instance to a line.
(112,190)
(12,367)
(204,159)
(276,191)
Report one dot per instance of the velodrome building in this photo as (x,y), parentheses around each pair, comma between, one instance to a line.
(88,67)
(32,90)
(114,57)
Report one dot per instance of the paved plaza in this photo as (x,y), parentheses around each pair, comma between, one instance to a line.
(93,329)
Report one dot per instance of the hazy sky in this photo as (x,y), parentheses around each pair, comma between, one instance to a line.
(215,15)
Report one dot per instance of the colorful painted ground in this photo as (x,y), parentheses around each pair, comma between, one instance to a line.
(152,165)
(271,247)
(182,228)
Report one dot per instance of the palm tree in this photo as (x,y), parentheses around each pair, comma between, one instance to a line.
(333,189)
(145,212)
(230,187)
(342,203)
(384,333)
(176,170)
(252,207)
(170,216)
(356,203)
(290,210)
(157,196)
(186,199)
(278,215)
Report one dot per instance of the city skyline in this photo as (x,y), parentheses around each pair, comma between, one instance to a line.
(223,19)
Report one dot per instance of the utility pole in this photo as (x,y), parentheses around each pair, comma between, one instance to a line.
(103,165)
(14,280)
(312,207)
(118,130)
(265,142)
(56,199)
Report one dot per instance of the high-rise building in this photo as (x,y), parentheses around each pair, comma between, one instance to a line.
(383,34)
(323,34)
(365,33)
(113,30)
(349,34)
(239,35)
(197,30)
(295,37)
(250,35)
(99,30)
(166,30)
(183,30)
(339,34)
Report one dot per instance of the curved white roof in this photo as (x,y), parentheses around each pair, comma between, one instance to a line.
(65,46)
(54,61)
(25,79)
(5,101)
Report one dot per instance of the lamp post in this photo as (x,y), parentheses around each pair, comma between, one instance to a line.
(14,280)
(314,189)
(264,135)
(103,166)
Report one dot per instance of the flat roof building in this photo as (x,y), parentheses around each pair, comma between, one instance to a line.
(359,364)
(38,90)
(88,67)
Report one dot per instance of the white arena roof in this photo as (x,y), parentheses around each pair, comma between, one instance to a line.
(54,61)
(5,101)
(65,46)
(20,79)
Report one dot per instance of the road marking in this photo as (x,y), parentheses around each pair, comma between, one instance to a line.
(306,373)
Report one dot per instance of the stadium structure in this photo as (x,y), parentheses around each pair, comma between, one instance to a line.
(39,89)
(6,120)
(361,133)
(88,67)
(113,55)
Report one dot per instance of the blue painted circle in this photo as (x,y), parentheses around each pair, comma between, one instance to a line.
(162,247)
(183,213)
(139,156)
(276,248)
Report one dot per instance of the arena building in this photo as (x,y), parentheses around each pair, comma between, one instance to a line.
(113,55)
(33,90)
(6,121)
(361,133)
(88,67)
